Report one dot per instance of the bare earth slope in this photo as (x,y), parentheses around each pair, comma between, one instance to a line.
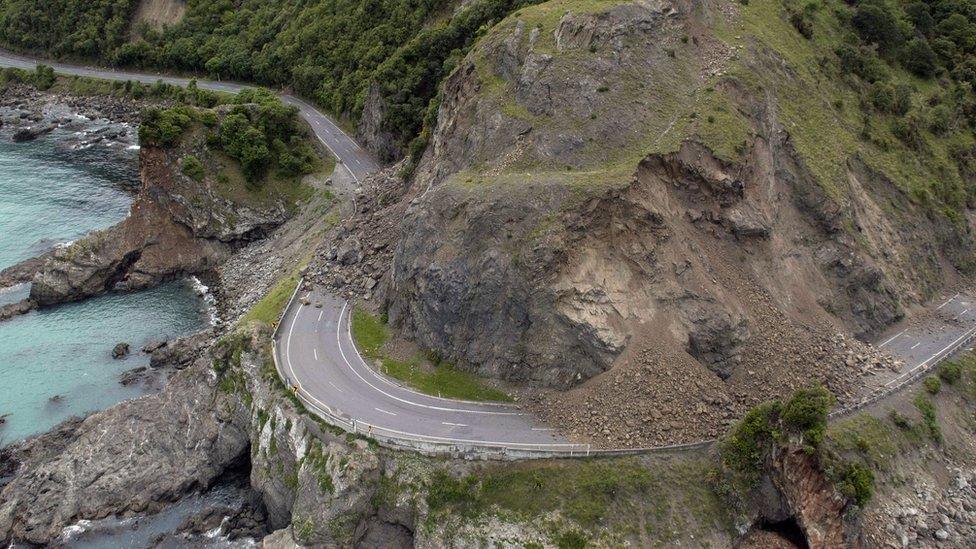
(629,176)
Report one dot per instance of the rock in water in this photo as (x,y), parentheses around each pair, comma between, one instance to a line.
(30,134)
(120,350)
(153,346)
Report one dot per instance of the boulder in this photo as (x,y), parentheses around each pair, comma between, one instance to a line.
(121,350)
(31,133)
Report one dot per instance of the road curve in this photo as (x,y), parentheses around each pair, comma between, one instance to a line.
(315,350)
(316,353)
(354,158)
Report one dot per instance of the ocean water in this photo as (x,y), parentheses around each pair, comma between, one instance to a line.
(57,362)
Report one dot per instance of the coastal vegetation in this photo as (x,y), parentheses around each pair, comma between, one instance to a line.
(330,51)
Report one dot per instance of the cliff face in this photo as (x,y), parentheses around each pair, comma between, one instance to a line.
(176,227)
(596,171)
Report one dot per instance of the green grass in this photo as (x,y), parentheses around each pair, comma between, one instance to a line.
(269,309)
(369,332)
(443,379)
(623,495)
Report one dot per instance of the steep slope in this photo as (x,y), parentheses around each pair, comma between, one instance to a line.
(665,176)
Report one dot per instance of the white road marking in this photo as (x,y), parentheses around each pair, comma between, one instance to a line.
(316,353)
(453,424)
(336,387)
(922,364)
(950,300)
(384,411)
(320,316)
(892,338)
(960,315)
(916,345)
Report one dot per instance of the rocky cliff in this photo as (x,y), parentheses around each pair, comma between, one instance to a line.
(603,177)
(175,228)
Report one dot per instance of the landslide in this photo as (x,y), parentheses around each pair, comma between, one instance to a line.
(671,209)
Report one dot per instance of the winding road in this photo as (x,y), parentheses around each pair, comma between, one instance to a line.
(315,352)
(357,161)
(316,355)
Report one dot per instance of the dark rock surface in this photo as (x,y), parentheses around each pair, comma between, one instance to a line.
(121,350)
(134,457)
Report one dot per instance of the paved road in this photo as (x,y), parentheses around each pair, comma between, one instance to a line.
(316,352)
(354,158)
(921,343)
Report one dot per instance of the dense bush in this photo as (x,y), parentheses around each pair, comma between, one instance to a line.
(163,127)
(331,51)
(801,419)
(951,372)
(856,482)
(919,58)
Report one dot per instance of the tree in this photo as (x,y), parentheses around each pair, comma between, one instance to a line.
(877,26)
(919,58)
(920,16)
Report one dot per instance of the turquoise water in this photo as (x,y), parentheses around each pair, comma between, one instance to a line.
(48,195)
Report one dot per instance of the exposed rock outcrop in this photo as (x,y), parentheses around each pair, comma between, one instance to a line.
(134,457)
(556,212)
(176,227)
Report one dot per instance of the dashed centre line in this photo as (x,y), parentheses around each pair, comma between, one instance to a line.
(384,411)
(453,424)
(916,345)
(892,338)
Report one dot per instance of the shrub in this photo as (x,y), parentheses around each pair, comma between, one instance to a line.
(163,127)
(804,415)
(951,372)
(929,418)
(44,77)
(932,385)
(802,23)
(903,99)
(919,58)
(882,96)
(857,483)
(940,119)
(193,168)
(806,412)
(877,25)
(900,420)
(908,130)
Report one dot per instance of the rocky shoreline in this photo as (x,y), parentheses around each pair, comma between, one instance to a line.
(237,260)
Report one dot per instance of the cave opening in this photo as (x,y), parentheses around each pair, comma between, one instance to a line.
(787,529)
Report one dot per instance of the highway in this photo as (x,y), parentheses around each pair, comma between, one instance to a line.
(356,160)
(316,354)
(920,344)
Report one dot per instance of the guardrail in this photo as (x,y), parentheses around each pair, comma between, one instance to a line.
(470,449)
(909,377)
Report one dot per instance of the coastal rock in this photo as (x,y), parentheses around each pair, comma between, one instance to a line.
(121,350)
(11,310)
(175,228)
(153,346)
(174,442)
(31,133)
